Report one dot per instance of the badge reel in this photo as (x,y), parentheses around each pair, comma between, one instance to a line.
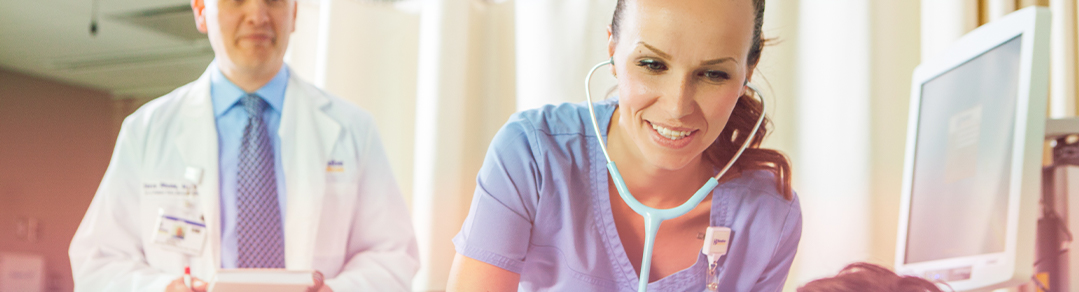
(180,227)
(716,241)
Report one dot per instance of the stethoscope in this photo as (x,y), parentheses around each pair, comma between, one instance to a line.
(652,216)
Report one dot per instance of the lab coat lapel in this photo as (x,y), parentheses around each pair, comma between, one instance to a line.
(197,143)
(308,136)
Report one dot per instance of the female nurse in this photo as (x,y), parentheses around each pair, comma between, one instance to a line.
(546,215)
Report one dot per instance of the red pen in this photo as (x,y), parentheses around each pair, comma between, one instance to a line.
(187,276)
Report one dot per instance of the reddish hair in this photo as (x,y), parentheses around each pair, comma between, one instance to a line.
(859,277)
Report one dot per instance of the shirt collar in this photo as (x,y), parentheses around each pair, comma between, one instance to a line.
(224,94)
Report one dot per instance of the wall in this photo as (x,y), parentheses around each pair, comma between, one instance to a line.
(55,143)
(894,52)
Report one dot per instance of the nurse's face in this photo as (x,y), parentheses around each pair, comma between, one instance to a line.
(681,66)
(247,34)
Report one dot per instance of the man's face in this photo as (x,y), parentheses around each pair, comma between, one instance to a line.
(247,35)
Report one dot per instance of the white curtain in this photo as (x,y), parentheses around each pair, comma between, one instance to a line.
(944,21)
(1063,67)
(832,156)
(465,95)
(438,77)
(558,41)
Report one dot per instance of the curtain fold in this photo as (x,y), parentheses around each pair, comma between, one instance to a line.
(1063,66)
(465,93)
(832,164)
(558,41)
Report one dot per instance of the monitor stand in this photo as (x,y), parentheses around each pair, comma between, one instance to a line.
(1055,267)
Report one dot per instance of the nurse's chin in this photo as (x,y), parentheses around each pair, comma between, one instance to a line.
(671,160)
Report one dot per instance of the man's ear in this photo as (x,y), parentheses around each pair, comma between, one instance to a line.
(199,8)
(295,9)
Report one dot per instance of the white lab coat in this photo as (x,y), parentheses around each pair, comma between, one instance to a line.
(348,221)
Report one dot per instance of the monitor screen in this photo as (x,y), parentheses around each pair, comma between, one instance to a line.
(963,156)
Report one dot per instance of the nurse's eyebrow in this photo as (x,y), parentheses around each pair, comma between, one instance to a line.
(655,50)
(667,56)
(717,61)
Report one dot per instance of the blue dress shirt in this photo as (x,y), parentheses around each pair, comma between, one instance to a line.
(231,118)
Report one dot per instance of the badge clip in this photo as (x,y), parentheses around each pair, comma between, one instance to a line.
(716,242)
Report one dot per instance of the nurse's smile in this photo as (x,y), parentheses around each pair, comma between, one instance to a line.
(671,136)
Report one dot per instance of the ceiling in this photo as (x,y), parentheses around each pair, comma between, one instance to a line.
(143,48)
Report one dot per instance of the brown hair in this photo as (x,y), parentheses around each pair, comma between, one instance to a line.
(742,119)
(869,277)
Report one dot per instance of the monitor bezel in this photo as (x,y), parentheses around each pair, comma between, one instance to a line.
(1015,265)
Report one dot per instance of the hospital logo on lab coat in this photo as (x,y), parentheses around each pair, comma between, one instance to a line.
(335,166)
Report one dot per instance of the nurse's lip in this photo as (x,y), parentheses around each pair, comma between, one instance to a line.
(669,127)
(666,142)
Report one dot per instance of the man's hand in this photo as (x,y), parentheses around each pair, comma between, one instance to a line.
(319,281)
(178,285)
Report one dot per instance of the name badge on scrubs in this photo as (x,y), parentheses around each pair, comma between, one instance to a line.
(716,241)
(180,233)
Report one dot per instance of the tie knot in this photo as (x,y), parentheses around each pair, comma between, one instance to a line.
(253,104)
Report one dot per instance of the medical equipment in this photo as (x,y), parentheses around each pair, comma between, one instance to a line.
(972,175)
(652,216)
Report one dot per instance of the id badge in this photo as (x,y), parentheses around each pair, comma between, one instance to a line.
(716,243)
(716,240)
(180,233)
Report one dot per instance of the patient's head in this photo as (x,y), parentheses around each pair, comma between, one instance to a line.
(858,277)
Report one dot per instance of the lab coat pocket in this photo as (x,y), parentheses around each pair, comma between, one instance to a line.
(337,219)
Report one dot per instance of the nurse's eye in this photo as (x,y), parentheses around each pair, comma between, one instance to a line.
(652,65)
(715,76)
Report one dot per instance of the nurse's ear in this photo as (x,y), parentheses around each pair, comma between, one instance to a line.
(749,77)
(199,8)
(611,44)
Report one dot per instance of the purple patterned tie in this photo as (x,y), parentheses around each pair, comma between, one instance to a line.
(260,236)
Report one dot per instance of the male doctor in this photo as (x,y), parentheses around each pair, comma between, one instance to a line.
(250,167)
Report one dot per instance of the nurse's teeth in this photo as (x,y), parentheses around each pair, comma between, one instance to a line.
(669,134)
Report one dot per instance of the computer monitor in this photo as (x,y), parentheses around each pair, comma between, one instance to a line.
(972,172)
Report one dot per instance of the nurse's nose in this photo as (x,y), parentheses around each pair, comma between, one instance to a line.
(678,97)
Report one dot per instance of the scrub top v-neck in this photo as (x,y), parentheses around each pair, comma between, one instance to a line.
(542,209)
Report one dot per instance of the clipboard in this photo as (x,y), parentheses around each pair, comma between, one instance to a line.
(262,280)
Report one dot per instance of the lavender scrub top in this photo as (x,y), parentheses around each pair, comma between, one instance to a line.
(542,210)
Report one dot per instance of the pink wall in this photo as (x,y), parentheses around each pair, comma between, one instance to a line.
(55,143)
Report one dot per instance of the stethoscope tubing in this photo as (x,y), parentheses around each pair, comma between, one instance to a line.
(654,217)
